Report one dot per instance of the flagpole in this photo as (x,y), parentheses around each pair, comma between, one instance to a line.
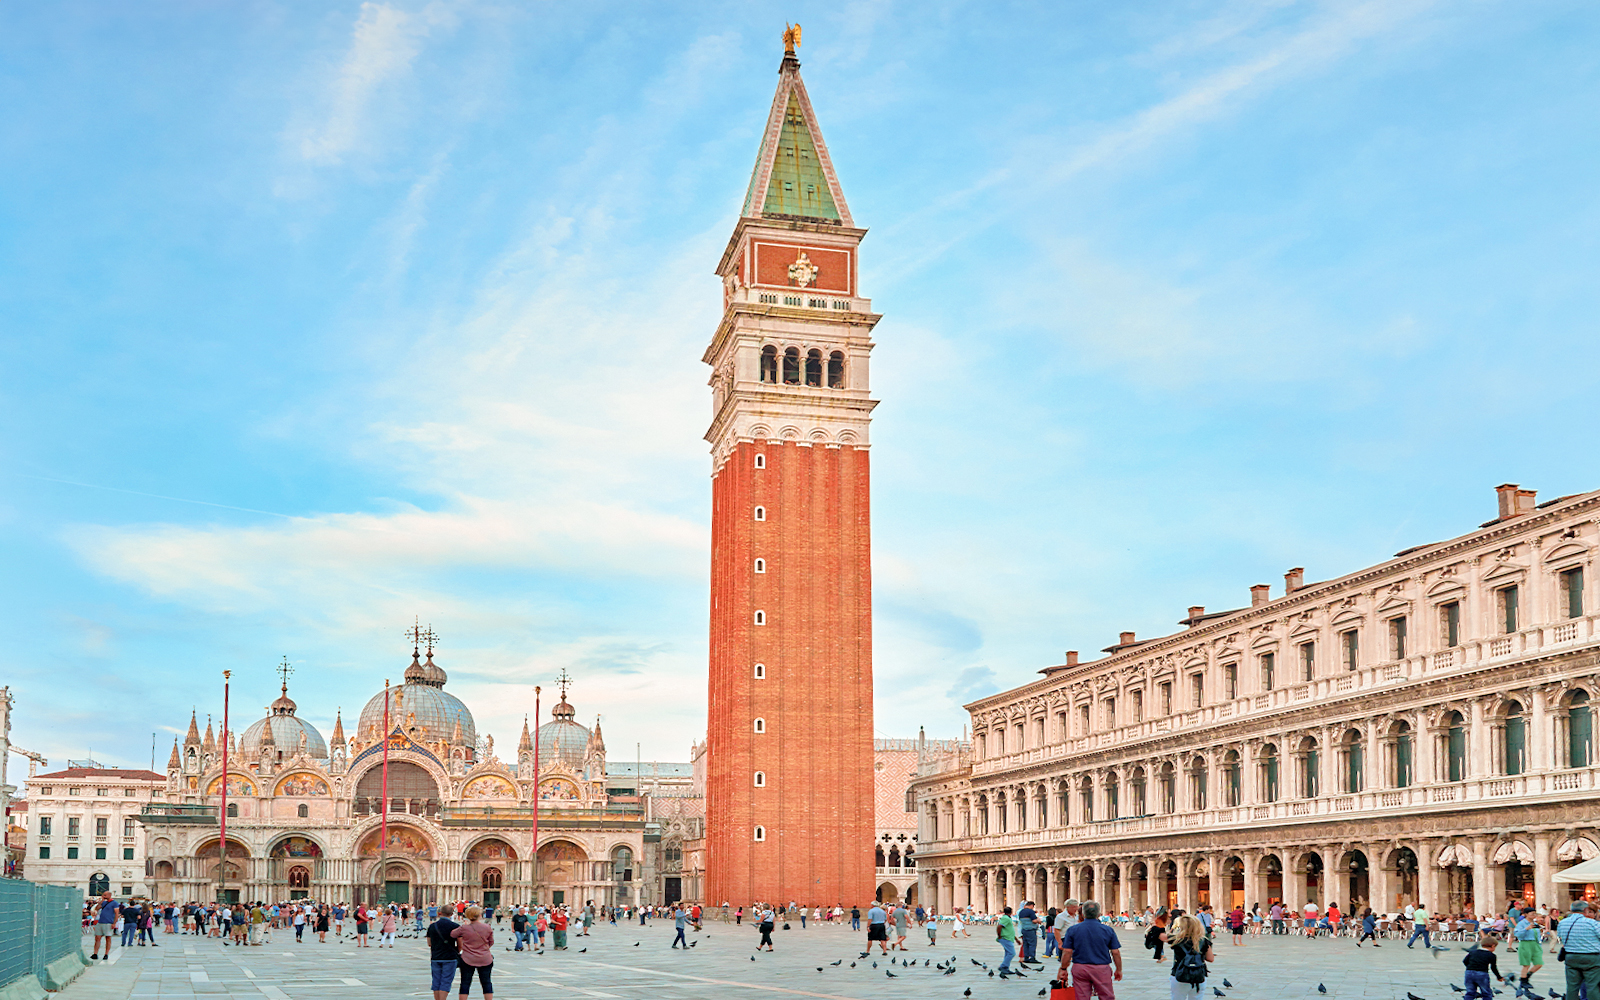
(383,822)
(222,846)
(533,861)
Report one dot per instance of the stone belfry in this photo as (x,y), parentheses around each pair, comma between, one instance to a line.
(789,784)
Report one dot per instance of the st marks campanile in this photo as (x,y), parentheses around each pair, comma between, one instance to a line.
(789,795)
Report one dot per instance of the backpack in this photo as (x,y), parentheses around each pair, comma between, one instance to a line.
(1190,968)
(1152,935)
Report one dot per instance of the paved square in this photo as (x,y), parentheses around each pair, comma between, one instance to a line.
(720,967)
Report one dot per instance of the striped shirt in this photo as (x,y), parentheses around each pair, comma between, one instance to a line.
(1579,935)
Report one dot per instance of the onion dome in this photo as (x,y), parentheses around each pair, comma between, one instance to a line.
(564,739)
(281,730)
(421,702)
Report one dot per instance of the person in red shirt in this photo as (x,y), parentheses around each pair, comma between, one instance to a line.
(558,928)
(694,914)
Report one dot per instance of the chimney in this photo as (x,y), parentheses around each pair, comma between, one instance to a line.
(1072,657)
(1514,502)
(1260,594)
(1195,611)
(1126,639)
(1294,580)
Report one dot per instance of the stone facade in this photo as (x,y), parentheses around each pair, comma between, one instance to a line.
(84,829)
(789,728)
(305,817)
(1419,730)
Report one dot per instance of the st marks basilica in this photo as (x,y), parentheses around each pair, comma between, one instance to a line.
(305,816)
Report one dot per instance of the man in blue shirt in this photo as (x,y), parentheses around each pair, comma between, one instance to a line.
(877,929)
(104,926)
(1028,924)
(1530,953)
(1580,936)
(1089,951)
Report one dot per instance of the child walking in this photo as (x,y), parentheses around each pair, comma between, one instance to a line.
(1480,961)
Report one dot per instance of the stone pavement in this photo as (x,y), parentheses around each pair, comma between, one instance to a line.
(720,967)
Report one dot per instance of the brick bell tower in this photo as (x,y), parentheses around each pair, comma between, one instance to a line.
(789,782)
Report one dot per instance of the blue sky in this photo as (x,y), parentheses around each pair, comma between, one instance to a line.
(318,317)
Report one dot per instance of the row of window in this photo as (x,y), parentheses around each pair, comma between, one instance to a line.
(805,301)
(72,853)
(73,790)
(101,826)
(1305,664)
(810,370)
(1509,745)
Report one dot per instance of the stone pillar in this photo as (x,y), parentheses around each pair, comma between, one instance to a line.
(1539,731)
(1105,891)
(1544,887)
(1382,882)
(1255,884)
(1220,887)
(1485,887)
(1428,875)
(1188,884)
(1479,751)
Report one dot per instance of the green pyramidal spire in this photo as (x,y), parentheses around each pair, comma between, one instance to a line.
(794,177)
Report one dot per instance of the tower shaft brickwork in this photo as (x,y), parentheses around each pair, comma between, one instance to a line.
(789,810)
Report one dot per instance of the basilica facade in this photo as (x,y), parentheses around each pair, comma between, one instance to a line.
(1416,731)
(305,816)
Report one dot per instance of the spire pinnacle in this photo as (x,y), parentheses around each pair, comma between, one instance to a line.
(794,178)
(338,727)
(174,761)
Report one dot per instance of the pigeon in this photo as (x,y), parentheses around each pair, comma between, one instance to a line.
(1226,984)
(752,958)
(839,962)
(950,971)
(874,965)
(1041,993)
(1412,996)
(890,974)
(967,992)
(636,944)
(1217,992)
(976,962)
(692,944)
(819,968)
(991,973)
(1018,975)
(891,961)
(584,950)
(852,965)
(1321,988)
(864,954)
(1456,989)
(1557,996)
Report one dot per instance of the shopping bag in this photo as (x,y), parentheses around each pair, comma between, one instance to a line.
(1061,991)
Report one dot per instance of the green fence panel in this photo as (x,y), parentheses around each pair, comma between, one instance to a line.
(38,924)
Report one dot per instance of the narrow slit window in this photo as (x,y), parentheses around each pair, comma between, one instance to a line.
(761,617)
(761,779)
(761,834)
(761,725)
(761,461)
(761,513)
(761,671)
(761,565)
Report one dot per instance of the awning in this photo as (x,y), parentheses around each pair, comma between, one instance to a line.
(1588,871)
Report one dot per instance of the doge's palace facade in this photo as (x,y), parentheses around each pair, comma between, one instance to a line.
(1420,730)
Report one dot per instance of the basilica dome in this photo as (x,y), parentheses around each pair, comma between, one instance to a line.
(564,739)
(423,704)
(281,731)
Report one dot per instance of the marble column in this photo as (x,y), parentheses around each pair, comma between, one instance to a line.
(1544,887)
(1382,882)
(1484,890)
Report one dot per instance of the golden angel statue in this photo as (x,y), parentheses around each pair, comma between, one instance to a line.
(791,37)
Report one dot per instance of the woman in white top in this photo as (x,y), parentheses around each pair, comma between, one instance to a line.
(958,926)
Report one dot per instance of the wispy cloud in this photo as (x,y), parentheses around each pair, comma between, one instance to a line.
(384,42)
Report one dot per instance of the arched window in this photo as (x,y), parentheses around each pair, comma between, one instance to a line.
(836,370)
(1136,791)
(1197,783)
(99,882)
(622,864)
(1354,762)
(761,671)
(1455,747)
(1400,766)
(879,859)
(791,366)
(1310,766)
(303,811)
(1580,730)
(1001,814)
(761,617)
(299,877)
(1269,773)
(760,834)
(1169,788)
(769,365)
(1086,801)
(761,565)
(761,725)
(1231,779)
(814,368)
(761,513)
(761,779)
(983,815)
(233,810)
(761,461)
(1514,740)
(492,877)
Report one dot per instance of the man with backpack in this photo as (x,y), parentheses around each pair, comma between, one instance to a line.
(1089,951)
